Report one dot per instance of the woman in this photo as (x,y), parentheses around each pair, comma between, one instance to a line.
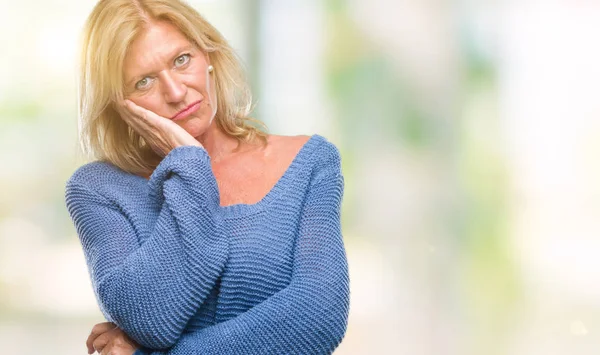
(202,233)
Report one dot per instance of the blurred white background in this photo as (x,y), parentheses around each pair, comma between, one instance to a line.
(470,141)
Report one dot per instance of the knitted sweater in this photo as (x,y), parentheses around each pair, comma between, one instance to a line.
(181,274)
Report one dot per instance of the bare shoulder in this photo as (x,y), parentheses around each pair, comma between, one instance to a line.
(287,143)
(282,150)
(287,140)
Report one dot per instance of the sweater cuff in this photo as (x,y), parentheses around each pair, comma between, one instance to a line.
(192,164)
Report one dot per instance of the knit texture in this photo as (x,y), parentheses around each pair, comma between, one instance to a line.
(181,274)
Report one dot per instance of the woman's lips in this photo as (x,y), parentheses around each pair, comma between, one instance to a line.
(187,111)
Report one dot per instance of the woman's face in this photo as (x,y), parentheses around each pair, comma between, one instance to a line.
(165,73)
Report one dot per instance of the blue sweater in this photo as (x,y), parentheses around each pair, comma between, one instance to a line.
(181,274)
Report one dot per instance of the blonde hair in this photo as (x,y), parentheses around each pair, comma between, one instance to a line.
(108,33)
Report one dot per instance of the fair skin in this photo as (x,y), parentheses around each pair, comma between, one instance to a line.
(107,338)
(164,73)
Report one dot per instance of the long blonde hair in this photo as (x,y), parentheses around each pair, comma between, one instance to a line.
(108,32)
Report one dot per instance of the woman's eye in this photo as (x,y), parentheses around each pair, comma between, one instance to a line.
(142,84)
(182,60)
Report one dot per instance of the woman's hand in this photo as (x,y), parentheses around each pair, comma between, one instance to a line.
(162,134)
(107,338)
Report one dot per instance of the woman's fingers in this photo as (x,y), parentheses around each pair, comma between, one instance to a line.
(97,331)
(115,342)
(110,351)
(101,341)
(132,117)
(134,109)
(144,122)
(161,133)
(146,115)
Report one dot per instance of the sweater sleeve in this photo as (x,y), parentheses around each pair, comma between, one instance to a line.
(310,315)
(151,291)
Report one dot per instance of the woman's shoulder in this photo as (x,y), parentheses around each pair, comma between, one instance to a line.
(282,142)
(314,153)
(100,175)
(316,145)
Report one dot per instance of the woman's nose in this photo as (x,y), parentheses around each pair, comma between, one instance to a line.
(173,88)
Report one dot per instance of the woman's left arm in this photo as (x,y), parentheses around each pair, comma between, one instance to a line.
(310,315)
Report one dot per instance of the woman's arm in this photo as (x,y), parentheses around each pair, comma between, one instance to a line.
(151,291)
(310,315)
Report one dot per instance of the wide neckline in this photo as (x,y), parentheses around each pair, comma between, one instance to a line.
(301,157)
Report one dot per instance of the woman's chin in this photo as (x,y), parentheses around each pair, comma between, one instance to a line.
(195,126)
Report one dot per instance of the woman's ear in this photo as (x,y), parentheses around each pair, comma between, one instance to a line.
(209,66)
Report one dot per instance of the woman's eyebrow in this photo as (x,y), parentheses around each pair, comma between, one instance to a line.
(174,54)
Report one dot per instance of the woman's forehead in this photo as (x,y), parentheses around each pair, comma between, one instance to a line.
(160,35)
(157,45)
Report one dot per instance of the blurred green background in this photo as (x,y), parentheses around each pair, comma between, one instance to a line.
(470,141)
